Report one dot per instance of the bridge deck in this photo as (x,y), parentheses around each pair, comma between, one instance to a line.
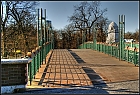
(83,67)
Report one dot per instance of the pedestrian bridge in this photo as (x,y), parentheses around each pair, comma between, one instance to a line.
(82,67)
(68,68)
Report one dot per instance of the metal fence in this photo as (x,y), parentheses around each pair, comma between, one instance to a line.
(130,54)
(38,56)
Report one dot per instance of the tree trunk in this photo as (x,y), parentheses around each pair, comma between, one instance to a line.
(89,34)
(86,36)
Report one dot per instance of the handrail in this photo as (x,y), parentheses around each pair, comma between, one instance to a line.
(130,54)
(37,55)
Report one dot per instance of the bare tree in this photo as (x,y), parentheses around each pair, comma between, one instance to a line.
(128,35)
(86,15)
(4,18)
(136,35)
(101,37)
(23,13)
(69,30)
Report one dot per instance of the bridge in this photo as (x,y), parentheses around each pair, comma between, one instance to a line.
(92,65)
(82,67)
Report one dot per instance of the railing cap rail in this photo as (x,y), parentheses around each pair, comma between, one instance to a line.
(16,61)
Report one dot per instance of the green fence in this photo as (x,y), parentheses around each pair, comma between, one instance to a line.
(86,46)
(133,45)
(131,56)
(37,56)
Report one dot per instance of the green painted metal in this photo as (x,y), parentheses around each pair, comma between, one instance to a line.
(83,39)
(117,51)
(94,38)
(133,45)
(45,36)
(129,55)
(36,62)
(121,36)
(38,27)
(41,30)
(42,39)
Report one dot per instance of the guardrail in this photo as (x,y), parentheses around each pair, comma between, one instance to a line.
(37,55)
(130,54)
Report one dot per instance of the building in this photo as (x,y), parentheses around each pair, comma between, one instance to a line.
(113,33)
(129,40)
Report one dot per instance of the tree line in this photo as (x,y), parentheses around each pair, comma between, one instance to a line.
(19,27)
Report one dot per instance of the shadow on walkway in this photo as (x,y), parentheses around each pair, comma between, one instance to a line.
(93,76)
(77,58)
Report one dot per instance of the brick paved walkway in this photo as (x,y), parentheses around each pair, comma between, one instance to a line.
(82,67)
(63,71)
(110,69)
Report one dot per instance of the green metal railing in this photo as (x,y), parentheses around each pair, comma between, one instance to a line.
(132,45)
(38,56)
(131,56)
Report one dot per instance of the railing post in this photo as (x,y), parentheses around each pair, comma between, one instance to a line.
(107,49)
(46,48)
(127,53)
(34,61)
(135,56)
(39,55)
(42,53)
(38,58)
(103,47)
(99,46)
(111,50)
(37,61)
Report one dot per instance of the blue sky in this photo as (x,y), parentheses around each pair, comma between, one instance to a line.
(58,12)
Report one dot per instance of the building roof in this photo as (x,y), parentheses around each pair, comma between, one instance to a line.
(113,27)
